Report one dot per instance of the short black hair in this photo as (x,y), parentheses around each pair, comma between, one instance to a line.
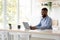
(45,9)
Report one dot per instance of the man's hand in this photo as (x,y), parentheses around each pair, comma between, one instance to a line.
(33,27)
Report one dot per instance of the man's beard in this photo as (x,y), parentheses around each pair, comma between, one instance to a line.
(44,16)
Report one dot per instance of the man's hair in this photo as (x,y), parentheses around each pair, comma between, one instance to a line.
(45,9)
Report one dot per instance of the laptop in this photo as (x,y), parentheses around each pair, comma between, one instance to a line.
(26,25)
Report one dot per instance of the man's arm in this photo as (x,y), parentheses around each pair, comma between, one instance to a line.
(35,27)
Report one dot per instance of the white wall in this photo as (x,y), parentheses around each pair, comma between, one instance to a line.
(25,11)
(55,14)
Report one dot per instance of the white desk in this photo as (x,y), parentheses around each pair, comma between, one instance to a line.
(28,34)
(48,34)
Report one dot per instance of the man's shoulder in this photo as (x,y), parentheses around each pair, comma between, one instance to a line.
(49,18)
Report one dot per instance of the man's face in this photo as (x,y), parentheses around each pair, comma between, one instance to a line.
(44,13)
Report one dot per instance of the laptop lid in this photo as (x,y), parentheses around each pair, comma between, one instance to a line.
(26,25)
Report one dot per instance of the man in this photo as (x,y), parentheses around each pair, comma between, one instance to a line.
(45,23)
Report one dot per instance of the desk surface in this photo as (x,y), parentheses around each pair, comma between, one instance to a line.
(47,32)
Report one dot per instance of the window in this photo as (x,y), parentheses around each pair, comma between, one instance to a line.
(12,11)
(8,13)
(1,16)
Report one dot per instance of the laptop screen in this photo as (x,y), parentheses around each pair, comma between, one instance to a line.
(26,25)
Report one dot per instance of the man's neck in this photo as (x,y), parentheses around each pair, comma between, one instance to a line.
(44,16)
